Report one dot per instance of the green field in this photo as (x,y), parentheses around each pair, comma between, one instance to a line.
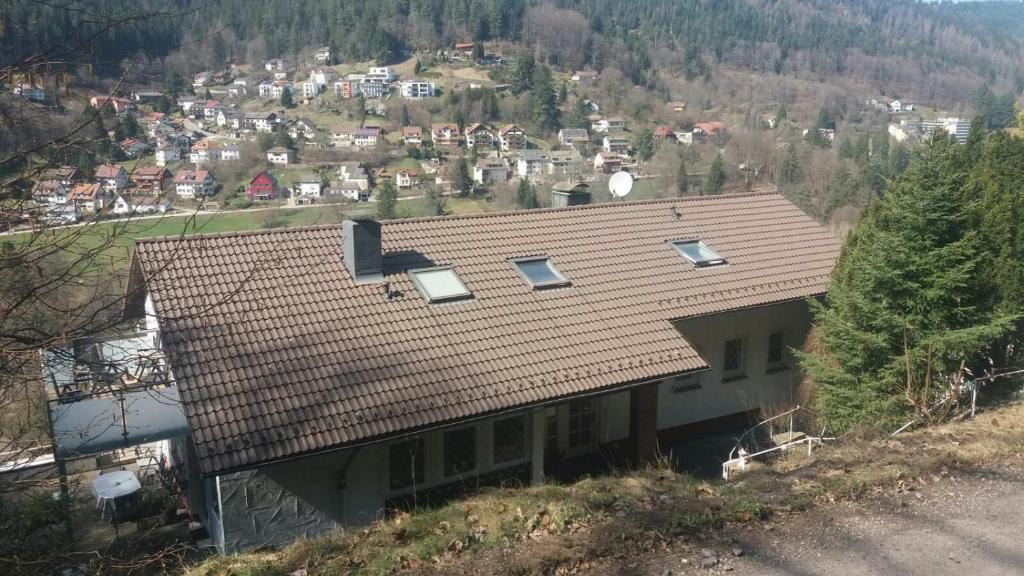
(115,239)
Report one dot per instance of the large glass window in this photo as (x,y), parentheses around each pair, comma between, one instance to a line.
(439,284)
(698,252)
(540,273)
(581,423)
(509,439)
(459,451)
(406,462)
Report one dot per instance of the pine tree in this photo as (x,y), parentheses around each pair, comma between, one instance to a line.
(780,115)
(462,180)
(995,194)
(286,98)
(405,115)
(790,172)
(545,107)
(478,51)
(578,116)
(974,147)
(526,195)
(387,201)
(522,74)
(902,310)
(563,93)
(131,126)
(643,143)
(417,67)
(682,178)
(716,177)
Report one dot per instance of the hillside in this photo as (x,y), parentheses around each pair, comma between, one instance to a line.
(892,43)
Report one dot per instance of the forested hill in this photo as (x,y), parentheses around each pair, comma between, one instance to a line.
(1002,16)
(870,40)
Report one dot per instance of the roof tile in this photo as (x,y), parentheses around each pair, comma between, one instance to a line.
(267,329)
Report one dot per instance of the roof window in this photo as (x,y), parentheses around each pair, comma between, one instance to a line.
(440,284)
(539,272)
(698,252)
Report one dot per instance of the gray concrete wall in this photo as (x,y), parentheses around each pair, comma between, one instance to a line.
(761,388)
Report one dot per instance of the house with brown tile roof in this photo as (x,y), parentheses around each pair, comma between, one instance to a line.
(334,372)
(512,137)
(445,134)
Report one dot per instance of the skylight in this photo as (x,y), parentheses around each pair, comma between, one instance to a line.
(698,252)
(439,284)
(539,272)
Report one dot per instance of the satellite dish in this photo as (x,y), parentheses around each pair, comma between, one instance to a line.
(620,184)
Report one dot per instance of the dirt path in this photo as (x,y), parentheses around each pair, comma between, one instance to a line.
(955,526)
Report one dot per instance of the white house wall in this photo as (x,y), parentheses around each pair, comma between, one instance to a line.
(759,389)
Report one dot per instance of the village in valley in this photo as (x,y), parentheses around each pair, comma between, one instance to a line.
(315,131)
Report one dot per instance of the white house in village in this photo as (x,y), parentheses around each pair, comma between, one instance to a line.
(166,155)
(609,124)
(129,204)
(488,170)
(308,188)
(530,163)
(417,89)
(479,135)
(190,184)
(405,179)
(111,178)
(279,156)
(328,443)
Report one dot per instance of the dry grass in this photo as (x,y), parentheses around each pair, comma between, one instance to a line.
(537,530)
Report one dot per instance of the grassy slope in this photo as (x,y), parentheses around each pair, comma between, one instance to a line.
(537,530)
(118,237)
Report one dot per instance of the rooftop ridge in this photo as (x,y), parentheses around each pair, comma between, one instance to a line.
(582,207)
(237,233)
(502,214)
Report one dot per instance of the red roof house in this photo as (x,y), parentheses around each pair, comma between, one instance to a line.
(262,187)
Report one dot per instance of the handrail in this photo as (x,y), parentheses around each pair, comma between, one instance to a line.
(750,432)
(809,440)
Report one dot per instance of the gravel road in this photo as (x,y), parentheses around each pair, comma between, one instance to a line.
(948,525)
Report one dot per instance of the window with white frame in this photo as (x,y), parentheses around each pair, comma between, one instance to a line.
(440,284)
(699,253)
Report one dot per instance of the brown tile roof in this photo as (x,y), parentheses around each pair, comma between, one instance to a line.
(278,353)
(189,176)
(107,171)
(710,127)
(84,191)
